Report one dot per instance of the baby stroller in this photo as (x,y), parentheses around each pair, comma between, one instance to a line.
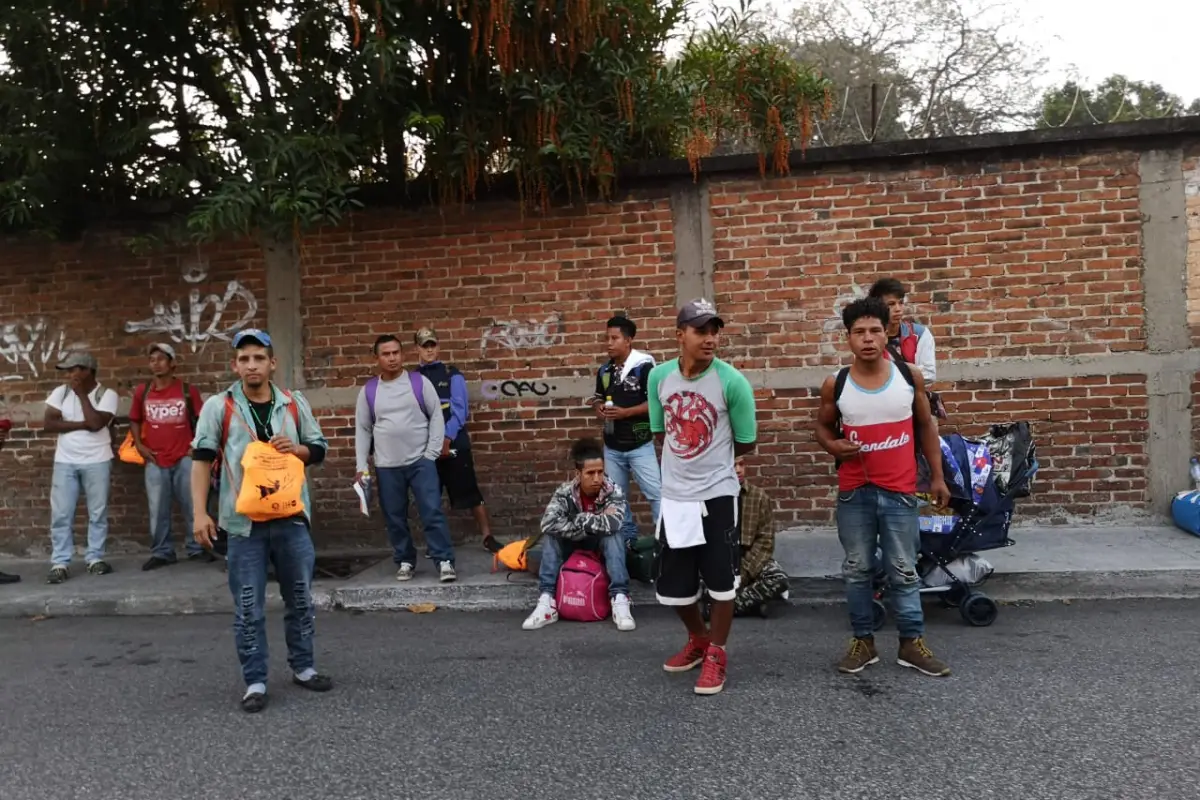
(985,476)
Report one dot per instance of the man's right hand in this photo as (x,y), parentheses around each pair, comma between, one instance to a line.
(204,529)
(844,449)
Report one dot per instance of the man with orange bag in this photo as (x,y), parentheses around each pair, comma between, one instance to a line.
(255,439)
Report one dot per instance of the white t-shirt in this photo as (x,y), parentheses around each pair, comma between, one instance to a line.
(83,447)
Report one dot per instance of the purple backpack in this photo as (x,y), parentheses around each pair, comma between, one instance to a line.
(418,391)
(583,588)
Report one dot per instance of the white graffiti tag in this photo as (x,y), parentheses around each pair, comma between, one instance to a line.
(31,346)
(832,327)
(208,316)
(517,335)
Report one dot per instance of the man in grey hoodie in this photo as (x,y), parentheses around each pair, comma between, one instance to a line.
(398,422)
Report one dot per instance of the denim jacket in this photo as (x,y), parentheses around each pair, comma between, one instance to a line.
(240,434)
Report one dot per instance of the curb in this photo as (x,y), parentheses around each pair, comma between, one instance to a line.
(521,595)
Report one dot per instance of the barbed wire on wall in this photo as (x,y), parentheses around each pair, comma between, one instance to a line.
(876,112)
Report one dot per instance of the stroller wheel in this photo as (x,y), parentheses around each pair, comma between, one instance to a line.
(880,611)
(978,610)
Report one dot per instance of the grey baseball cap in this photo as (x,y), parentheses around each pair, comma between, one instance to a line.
(697,314)
(78,359)
(161,347)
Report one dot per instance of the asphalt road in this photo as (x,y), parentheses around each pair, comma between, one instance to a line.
(1082,701)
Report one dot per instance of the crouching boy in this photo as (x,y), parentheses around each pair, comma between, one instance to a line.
(585,512)
(763,579)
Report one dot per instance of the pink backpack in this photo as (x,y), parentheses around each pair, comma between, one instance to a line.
(583,588)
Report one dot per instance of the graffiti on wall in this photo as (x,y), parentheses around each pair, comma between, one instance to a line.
(30,347)
(515,390)
(832,328)
(200,317)
(518,335)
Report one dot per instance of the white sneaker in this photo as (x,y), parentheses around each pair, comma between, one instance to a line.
(446,573)
(545,614)
(621,615)
(405,573)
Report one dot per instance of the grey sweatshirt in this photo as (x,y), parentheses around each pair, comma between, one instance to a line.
(402,433)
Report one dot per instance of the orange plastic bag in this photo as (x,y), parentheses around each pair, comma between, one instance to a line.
(128,452)
(271,484)
(512,555)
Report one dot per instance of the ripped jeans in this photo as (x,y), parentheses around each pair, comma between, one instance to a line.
(287,544)
(870,518)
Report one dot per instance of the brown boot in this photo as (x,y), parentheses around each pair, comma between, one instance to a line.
(914,653)
(861,655)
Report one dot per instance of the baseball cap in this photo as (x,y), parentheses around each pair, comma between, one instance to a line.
(251,336)
(697,314)
(78,359)
(161,347)
(426,335)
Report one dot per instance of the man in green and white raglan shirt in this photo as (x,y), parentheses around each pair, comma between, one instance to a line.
(702,409)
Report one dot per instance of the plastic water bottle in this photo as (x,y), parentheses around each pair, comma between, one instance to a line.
(610,426)
(1196,473)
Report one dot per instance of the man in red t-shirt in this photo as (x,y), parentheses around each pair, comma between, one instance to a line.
(163,420)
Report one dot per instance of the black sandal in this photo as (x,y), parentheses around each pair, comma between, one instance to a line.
(254,703)
(492,545)
(317,683)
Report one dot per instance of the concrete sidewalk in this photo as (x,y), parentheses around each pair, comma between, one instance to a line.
(1045,564)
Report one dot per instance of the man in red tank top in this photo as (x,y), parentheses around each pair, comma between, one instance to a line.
(870,427)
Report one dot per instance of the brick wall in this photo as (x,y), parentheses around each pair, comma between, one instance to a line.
(1015,257)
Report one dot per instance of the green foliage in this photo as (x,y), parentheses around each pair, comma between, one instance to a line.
(267,117)
(1115,99)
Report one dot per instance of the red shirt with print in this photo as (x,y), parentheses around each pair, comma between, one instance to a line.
(166,424)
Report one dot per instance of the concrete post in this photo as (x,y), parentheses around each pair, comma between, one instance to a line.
(1164,278)
(693,242)
(284,317)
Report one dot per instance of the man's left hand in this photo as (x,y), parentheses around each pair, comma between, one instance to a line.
(940,492)
(615,413)
(445,449)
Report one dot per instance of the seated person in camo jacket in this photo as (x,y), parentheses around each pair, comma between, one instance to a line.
(762,578)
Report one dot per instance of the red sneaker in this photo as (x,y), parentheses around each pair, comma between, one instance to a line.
(687,658)
(712,674)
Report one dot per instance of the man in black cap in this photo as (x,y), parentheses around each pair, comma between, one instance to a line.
(702,409)
(80,412)
(455,466)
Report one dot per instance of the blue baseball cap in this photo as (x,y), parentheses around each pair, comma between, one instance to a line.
(251,336)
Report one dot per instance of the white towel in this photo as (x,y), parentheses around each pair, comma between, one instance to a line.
(682,522)
(635,359)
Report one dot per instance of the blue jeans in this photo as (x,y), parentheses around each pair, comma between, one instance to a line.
(870,518)
(287,544)
(422,478)
(162,486)
(65,484)
(643,464)
(555,552)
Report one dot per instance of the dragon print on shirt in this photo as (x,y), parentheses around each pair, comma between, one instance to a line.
(690,421)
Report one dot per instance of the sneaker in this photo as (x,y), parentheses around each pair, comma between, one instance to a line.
(621,615)
(154,562)
(58,574)
(545,614)
(99,568)
(405,573)
(6,578)
(446,573)
(915,654)
(712,673)
(689,657)
(862,654)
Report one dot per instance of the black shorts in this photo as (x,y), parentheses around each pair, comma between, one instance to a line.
(457,476)
(717,561)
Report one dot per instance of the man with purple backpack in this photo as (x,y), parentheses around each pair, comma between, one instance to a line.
(394,426)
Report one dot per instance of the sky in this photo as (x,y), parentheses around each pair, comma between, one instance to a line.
(1088,40)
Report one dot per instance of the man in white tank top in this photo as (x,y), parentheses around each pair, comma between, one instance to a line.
(872,426)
